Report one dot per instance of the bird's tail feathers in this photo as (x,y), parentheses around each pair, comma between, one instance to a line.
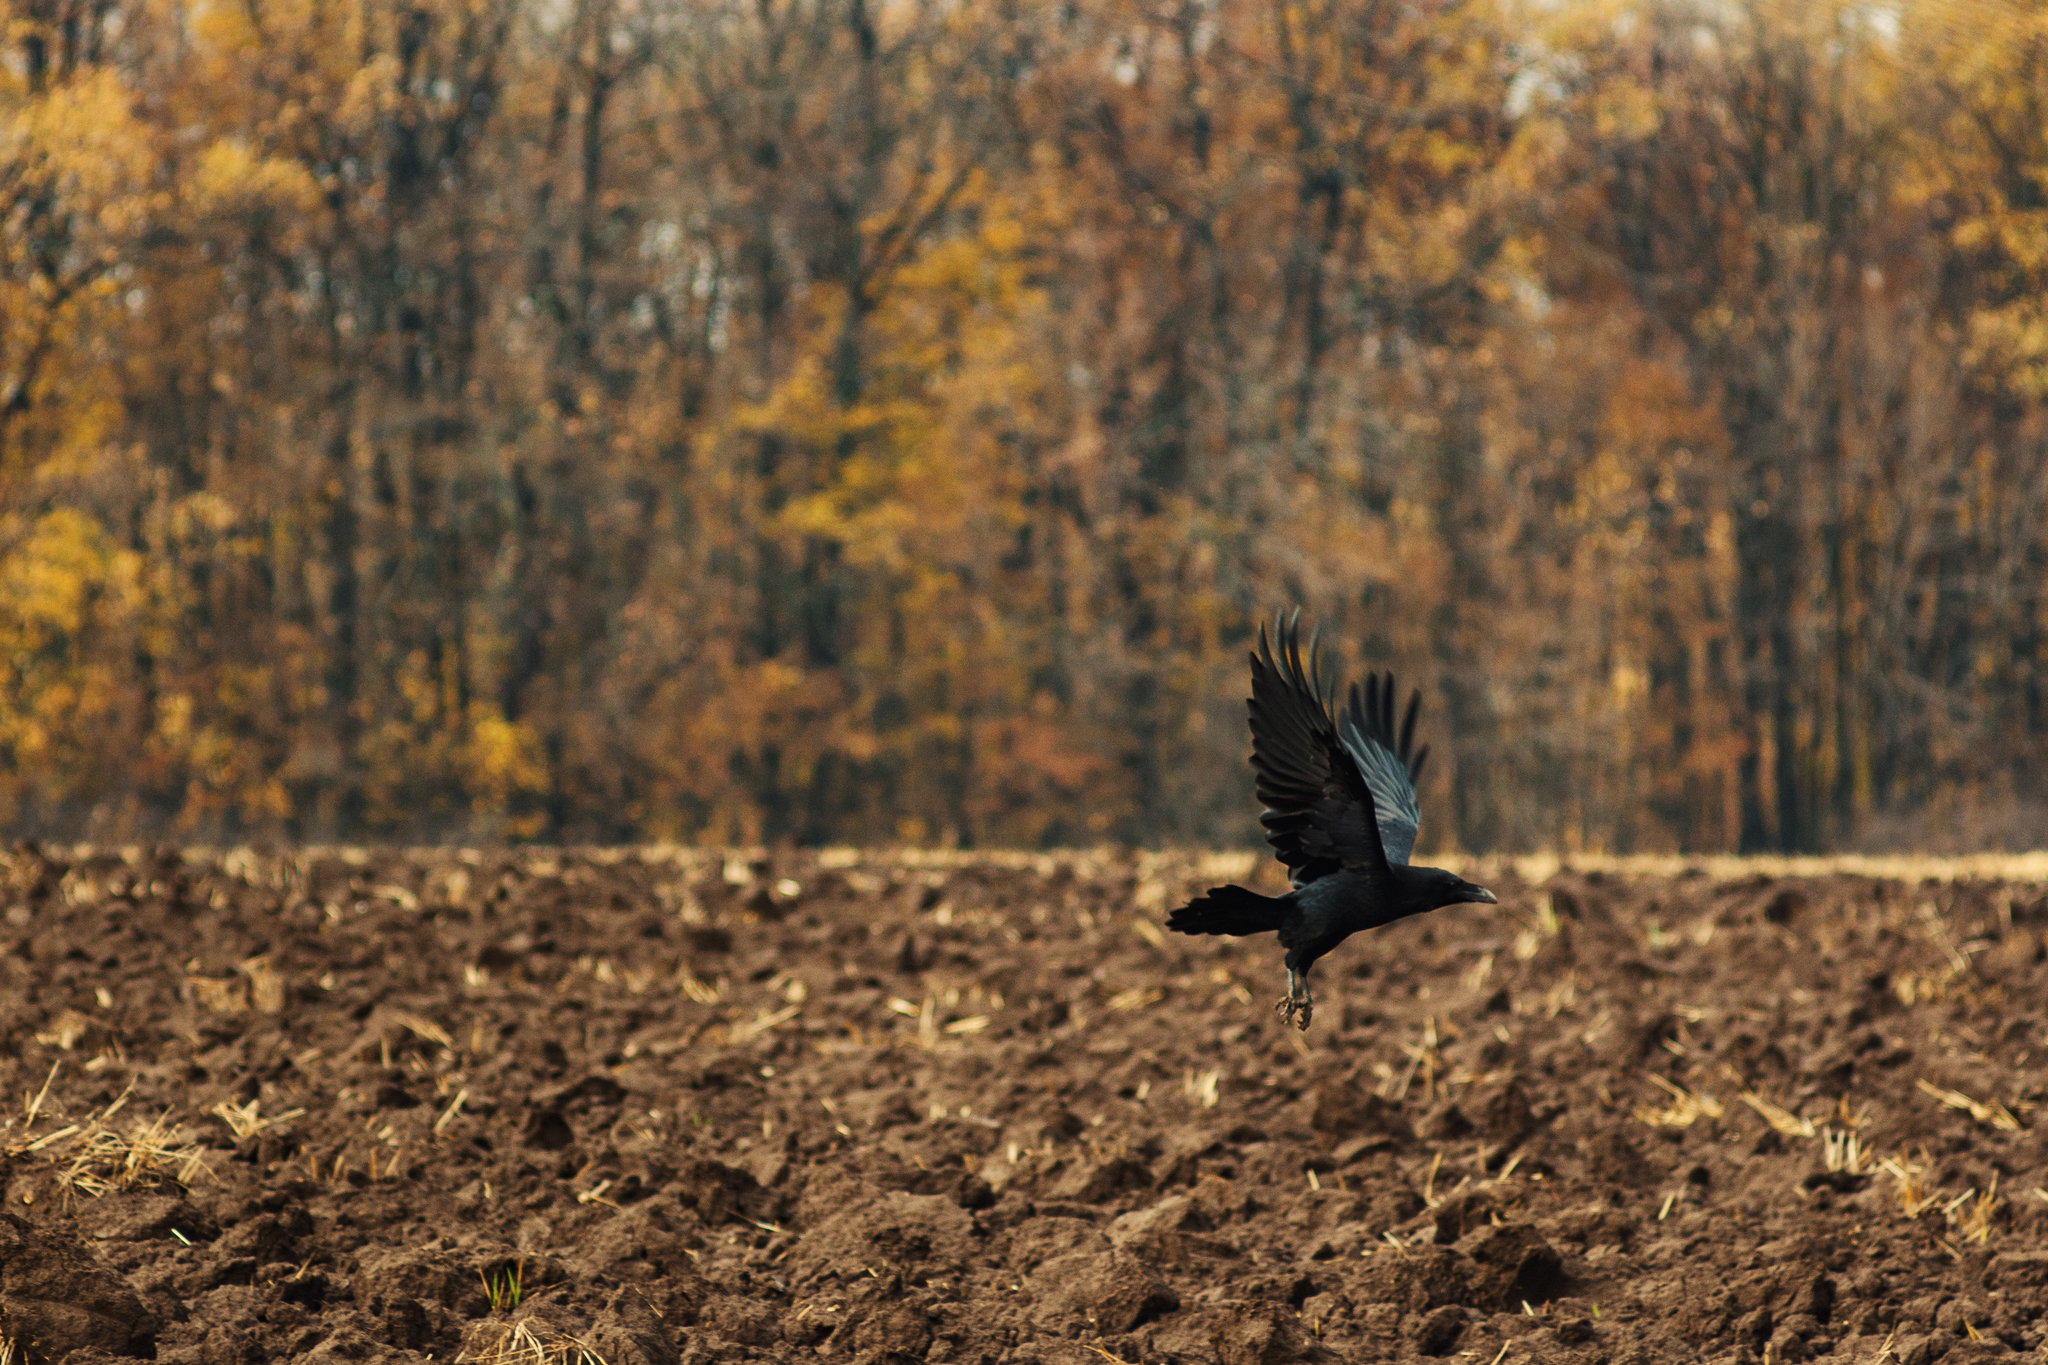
(1229,910)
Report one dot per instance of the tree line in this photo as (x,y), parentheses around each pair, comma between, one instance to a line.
(888,420)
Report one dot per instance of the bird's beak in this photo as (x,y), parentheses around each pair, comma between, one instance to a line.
(1481,896)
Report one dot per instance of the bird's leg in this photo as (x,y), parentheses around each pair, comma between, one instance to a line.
(1298,1006)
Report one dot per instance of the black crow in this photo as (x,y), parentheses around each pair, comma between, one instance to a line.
(1339,793)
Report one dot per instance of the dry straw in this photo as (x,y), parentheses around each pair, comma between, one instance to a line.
(1994,1115)
(1687,1107)
(150,1151)
(245,1122)
(528,1343)
(99,1158)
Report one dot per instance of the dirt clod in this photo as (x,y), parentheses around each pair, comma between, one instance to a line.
(56,1297)
(1437,1331)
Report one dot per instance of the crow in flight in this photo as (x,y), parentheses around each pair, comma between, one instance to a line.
(1339,793)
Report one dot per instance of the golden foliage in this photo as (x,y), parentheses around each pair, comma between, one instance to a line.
(839,422)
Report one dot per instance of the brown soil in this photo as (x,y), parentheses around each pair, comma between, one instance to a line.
(668,1106)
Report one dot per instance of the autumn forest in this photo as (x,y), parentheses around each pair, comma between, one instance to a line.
(887,420)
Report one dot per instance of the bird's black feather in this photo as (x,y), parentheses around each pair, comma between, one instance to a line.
(1319,813)
(1389,765)
(1229,910)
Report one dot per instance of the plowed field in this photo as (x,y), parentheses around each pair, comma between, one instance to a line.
(659,1106)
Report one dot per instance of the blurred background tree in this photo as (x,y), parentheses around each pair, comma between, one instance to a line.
(877,420)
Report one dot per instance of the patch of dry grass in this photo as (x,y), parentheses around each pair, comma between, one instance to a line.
(97,1156)
(1915,1195)
(1687,1107)
(1970,1213)
(103,1158)
(1992,1115)
(526,1343)
(1780,1118)
(1843,1150)
(244,1120)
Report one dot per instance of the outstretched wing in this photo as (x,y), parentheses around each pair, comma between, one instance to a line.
(1319,812)
(1390,763)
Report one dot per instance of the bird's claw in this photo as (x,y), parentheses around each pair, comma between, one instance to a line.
(1295,1012)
